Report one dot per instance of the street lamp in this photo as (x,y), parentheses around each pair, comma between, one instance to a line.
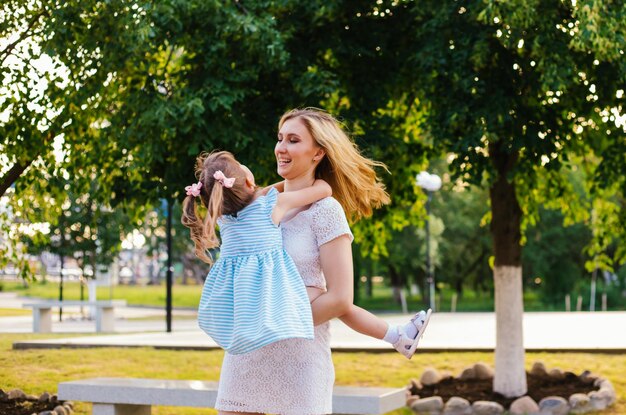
(430,183)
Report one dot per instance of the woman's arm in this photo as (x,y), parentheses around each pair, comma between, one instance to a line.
(299,198)
(336,261)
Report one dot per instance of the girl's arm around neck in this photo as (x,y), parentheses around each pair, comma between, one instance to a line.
(280,186)
(298,198)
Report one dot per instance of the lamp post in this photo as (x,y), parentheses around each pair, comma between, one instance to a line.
(430,183)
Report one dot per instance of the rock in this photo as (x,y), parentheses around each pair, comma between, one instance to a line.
(414,386)
(69,404)
(411,400)
(608,389)
(468,373)
(587,377)
(538,369)
(446,375)
(483,371)
(579,403)
(3,396)
(44,397)
(430,377)
(16,394)
(556,374)
(60,410)
(32,397)
(487,408)
(524,406)
(68,409)
(54,399)
(433,404)
(47,413)
(554,405)
(603,384)
(601,399)
(457,406)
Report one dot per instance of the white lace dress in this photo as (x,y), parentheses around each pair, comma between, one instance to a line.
(293,376)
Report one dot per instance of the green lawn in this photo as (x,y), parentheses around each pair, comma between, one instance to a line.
(471,301)
(13,312)
(189,295)
(36,371)
(149,295)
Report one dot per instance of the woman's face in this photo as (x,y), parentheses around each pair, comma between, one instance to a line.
(297,154)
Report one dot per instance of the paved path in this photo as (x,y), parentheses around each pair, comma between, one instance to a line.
(551,331)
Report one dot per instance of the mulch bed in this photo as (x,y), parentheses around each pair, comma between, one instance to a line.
(25,407)
(539,387)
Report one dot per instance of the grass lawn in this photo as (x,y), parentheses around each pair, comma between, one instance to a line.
(14,312)
(36,371)
(188,296)
(149,295)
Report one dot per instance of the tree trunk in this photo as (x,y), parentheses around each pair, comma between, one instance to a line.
(357,261)
(396,284)
(510,376)
(12,175)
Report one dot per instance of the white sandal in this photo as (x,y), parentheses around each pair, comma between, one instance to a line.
(406,345)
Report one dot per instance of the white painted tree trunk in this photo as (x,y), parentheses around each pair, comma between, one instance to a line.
(510,375)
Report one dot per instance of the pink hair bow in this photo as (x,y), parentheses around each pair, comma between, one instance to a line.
(225,181)
(194,189)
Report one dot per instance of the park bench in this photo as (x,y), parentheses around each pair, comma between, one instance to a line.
(131,396)
(104,315)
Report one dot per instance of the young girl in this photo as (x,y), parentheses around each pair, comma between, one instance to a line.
(253,295)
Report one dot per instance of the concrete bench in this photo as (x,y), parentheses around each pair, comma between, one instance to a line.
(131,396)
(42,313)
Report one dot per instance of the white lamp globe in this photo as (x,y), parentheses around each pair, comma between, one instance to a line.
(428,182)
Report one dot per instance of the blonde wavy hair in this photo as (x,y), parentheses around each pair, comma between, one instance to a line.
(217,199)
(351,175)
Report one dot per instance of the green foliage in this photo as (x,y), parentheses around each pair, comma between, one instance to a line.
(136,89)
(465,243)
(554,254)
(539,78)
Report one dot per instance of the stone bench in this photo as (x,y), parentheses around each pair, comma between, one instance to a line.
(131,396)
(42,313)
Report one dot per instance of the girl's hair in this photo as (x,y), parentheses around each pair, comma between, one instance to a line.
(217,199)
(351,175)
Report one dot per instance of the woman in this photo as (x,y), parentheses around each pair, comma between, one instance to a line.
(296,376)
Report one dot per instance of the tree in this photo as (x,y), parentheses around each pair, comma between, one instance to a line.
(134,110)
(516,90)
(79,227)
(56,63)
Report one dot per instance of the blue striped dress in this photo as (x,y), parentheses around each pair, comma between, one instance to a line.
(253,295)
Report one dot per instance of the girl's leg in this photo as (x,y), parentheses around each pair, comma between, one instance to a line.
(364,322)
(356,318)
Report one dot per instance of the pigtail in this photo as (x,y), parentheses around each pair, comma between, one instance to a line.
(197,229)
(214,211)
(215,198)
